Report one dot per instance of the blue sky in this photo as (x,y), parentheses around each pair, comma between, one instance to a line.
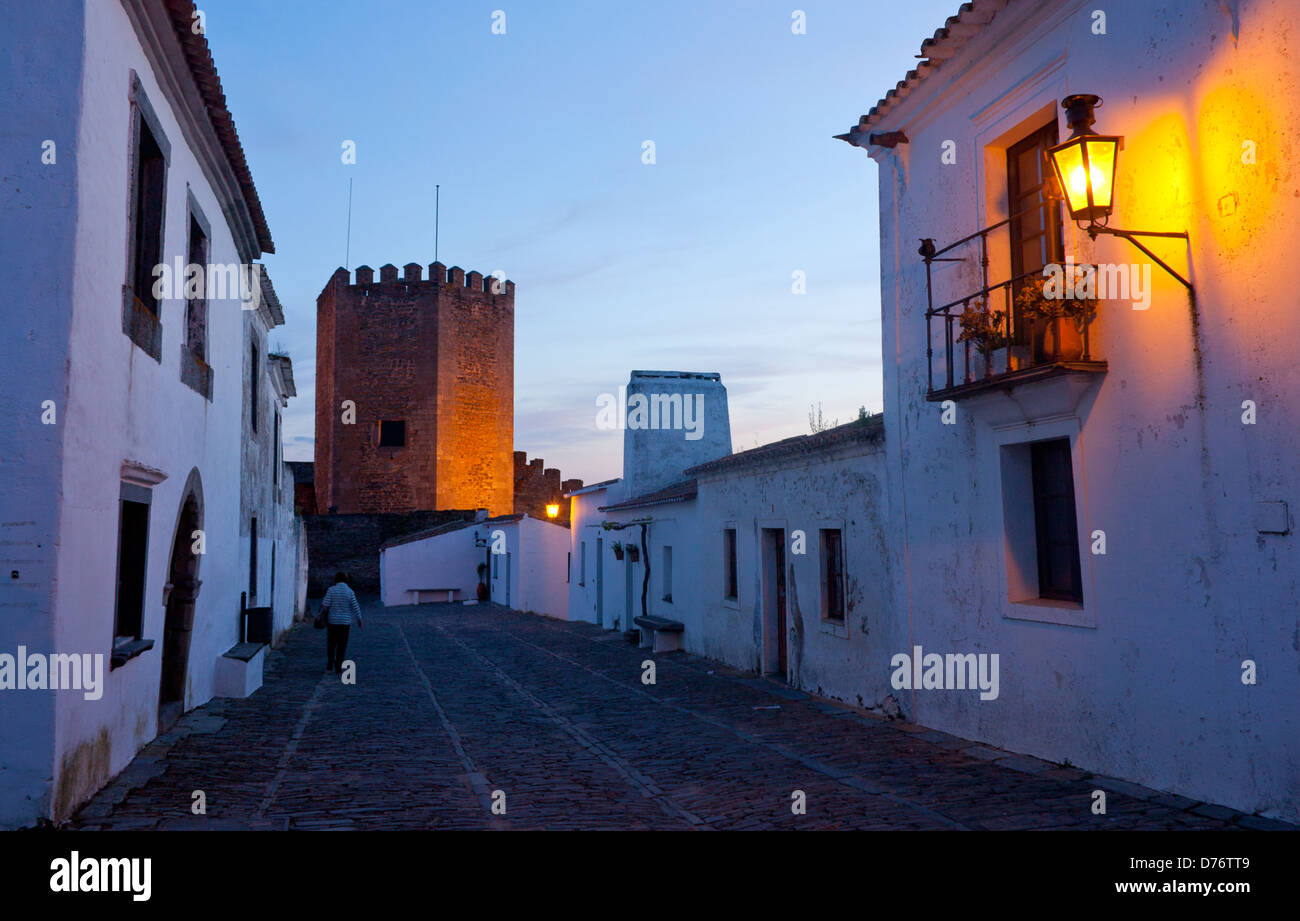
(536,137)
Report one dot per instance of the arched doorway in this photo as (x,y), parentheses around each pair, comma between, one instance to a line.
(182,592)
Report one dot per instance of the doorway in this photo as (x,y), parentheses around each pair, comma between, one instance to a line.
(774,625)
(182,593)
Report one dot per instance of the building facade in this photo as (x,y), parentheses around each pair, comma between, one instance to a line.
(1113,516)
(121,524)
(414,391)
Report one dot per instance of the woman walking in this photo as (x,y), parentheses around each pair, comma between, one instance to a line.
(340,605)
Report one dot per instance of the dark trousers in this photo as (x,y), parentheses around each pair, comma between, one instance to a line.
(336,645)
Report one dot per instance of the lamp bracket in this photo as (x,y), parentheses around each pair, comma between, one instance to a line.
(1131,235)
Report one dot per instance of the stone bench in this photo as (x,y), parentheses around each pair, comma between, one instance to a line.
(239,670)
(418,593)
(660,634)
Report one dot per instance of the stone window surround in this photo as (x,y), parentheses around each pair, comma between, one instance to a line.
(137,489)
(1014,589)
(830,626)
(730,601)
(143,331)
(196,370)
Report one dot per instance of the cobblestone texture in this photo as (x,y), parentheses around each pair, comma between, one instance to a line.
(455,705)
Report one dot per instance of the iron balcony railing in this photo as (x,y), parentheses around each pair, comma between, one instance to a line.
(1011,335)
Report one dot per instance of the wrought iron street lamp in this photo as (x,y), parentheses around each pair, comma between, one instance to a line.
(1085,164)
(553,510)
(1085,173)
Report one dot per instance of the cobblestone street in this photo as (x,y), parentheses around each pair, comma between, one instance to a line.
(453,704)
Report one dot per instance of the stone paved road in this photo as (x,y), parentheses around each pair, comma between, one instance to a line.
(453,704)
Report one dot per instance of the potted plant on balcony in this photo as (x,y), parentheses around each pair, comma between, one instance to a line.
(617,547)
(633,553)
(482,592)
(986,330)
(1058,314)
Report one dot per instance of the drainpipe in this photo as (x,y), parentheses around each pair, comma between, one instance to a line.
(645,578)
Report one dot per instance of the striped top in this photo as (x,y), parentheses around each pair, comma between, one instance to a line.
(342,604)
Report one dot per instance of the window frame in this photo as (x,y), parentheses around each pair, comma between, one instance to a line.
(1012,508)
(731,564)
(824,575)
(141,324)
(141,496)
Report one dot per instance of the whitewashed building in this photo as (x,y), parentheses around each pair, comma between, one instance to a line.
(522,560)
(636,549)
(1113,517)
(121,468)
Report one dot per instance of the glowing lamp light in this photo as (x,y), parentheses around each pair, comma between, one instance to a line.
(1085,164)
(553,510)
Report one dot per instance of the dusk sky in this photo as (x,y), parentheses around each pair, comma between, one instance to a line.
(536,137)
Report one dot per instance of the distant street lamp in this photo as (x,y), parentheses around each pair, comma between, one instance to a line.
(1085,173)
(553,510)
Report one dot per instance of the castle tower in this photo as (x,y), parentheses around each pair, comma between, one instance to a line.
(415,391)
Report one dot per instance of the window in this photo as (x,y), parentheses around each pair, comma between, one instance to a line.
(196,372)
(146,208)
(392,434)
(729,563)
(568,566)
(252,558)
(1036,235)
(1055,525)
(496,565)
(252,385)
(132,559)
(832,558)
(668,574)
(582,564)
(275,455)
(196,303)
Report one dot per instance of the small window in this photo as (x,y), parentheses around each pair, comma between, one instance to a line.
(568,566)
(196,301)
(1055,524)
(253,377)
(729,563)
(582,564)
(832,557)
(147,215)
(496,565)
(132,560)
(668,574)
(392,434)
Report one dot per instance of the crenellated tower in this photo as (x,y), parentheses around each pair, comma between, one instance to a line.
(415,391)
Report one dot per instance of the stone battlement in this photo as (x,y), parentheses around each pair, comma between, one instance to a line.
(413,274)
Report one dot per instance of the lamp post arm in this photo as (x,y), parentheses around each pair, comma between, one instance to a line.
(1132,235)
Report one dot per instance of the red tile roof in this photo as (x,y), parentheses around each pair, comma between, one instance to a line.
(204,71)
(870,429)
(946,43)
(678,492)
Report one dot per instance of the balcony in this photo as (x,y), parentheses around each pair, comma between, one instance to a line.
(1006,335)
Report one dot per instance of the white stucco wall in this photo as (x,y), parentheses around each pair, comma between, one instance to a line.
(442,561)
(38,214)
(1146,681)
(121,404)
(538,552)
(842,489)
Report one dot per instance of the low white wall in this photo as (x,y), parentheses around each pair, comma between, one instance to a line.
(441,561)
